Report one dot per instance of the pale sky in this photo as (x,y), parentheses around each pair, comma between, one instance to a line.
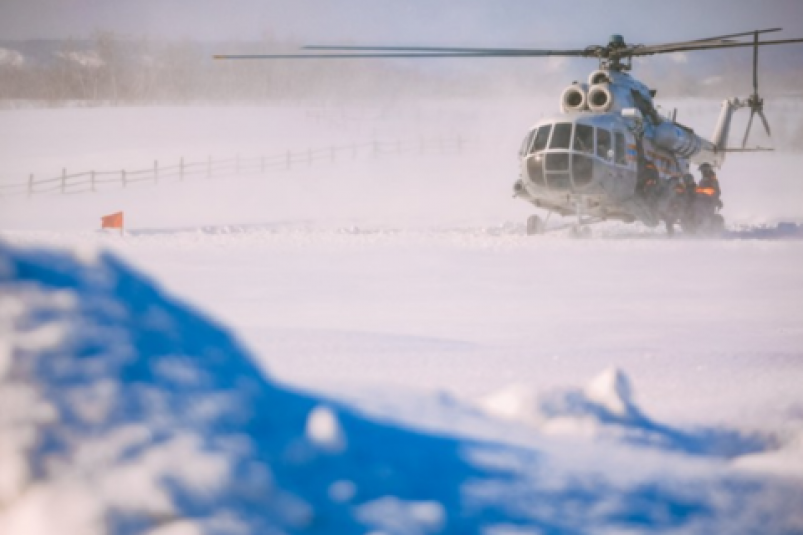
(465,22)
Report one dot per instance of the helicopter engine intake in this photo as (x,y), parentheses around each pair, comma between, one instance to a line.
(574,98)
(600,98)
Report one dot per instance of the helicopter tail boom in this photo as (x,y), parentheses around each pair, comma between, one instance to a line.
(722,130)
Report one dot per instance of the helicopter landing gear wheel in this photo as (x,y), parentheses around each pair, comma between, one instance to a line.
(581,231)
(535,225)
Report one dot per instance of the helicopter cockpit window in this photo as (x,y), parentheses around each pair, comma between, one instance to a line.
(583,138)
(525,145)
(561,136)
(603,143)
(621,156)
(541,138)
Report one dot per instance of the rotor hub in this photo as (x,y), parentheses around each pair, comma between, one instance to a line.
(617,41)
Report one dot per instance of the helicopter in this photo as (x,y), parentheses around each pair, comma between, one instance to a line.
(592,160)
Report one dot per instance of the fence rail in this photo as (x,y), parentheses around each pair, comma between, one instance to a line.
(93,181)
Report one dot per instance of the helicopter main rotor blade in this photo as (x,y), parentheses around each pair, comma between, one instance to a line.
(648,51)
(732,35)
(505,52)
(591,51)
(495,54)
(747,132)
(602,52)
(720,39)
(444,52)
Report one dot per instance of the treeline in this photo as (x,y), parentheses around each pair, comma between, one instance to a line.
(110,70)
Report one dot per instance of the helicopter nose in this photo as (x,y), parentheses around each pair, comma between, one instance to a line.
(535,169)
(560,170)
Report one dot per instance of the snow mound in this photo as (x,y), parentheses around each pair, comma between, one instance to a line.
(605,409)
(125,411)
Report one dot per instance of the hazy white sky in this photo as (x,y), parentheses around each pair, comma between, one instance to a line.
(475,22)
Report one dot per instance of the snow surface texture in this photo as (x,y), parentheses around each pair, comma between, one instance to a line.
(405,289)
(126,412)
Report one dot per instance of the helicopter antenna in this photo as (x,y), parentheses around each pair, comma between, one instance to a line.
(754,102)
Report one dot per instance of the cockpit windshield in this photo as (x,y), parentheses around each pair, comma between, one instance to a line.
(542,137)
(572,148)
(583,138)
(561,136)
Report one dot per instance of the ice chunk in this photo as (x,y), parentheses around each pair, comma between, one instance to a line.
(323,430)
(607,399)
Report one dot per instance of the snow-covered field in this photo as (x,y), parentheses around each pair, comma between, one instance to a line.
(618,384)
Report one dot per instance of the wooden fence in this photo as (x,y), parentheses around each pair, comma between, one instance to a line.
(93,181)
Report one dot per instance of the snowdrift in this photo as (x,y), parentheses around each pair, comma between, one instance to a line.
(125,411)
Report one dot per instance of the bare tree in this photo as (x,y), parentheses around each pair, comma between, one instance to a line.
(108,49)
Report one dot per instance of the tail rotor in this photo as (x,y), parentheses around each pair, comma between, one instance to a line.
(754,101)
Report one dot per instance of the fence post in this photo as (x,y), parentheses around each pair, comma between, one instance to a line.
(30,186)
(92,180)
(63,180)
(156,171)
(181,169)
(209,166)
(122,173)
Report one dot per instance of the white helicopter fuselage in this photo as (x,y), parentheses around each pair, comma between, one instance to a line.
(585,161)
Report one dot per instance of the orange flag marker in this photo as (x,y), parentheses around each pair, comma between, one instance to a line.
(112,221)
